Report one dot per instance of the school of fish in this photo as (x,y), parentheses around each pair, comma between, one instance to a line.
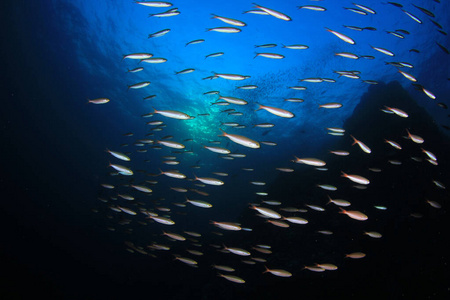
(132,199)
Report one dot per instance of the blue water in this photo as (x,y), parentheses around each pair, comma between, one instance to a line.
(58,54)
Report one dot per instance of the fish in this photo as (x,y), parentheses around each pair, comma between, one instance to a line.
(415,138)
(266,212)
(139,85)
(154,60)
(296,47)
(310,161)
(276,111)
(273,13)
(354,214)
(270,55)
(312,7)
(173,114)
(118,155)
(278,272)
(356,178)
(139,56)
(384,51)
(232,278)
(331,105)
(361,145)
(122,169)
(154,3)
(170,13)
(397,111)
(209,180)
(185,71)
(342,36)
(159,33)
(237,251)
(241,140)
(199,203)
(356,255)
(412,16)
(98,101)
(230,21)
(198,41)
(216,54)
(231,76)
(226,225)
(225,29)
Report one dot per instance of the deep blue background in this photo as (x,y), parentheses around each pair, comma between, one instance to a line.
(56,54)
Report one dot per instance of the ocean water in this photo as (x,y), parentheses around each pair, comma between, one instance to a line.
(65,235)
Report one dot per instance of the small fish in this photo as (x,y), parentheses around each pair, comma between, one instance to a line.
(159,33)
(361,145)
(237,251)
(312,7)
(185,71)
(231,76)
(310,161)
(365,8)
(139,56)
(208,180)
(443,48)
(408,76)
(242,140)
(273,13)
(199,203)
(194,42)
(154,3)
(341,36)
(356,178)
(139,85)
(354,214)
(270,55)
(276,111)
(231,278)
(98,101)
(355,10)
(373,234)
(356,255)
(170,13)
(227,225)
(278,272)
(331,105)
(173,114)
(384,51)
(415,138)
(225,29)
(230,21)
(347,55)
(393,144)
(154,60)
(141,188)
(425,11)
(412,16)
(327,187)
(122,170)
(266,46)
(266,212)
(216,54)
(296,47)
(397,111)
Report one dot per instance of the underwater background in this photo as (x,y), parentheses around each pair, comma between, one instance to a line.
(64,235)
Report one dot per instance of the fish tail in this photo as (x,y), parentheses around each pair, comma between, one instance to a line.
(223,132)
